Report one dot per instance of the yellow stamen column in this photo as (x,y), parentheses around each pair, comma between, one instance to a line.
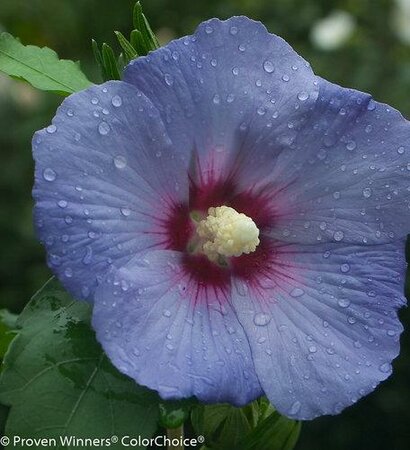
(226,233)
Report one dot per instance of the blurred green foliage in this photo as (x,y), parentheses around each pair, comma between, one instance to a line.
(373,59)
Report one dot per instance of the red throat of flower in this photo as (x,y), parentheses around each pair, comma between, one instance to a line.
(195,228)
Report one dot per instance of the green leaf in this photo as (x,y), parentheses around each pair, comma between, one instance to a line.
(110,63)
(257,426)
(172,414)
(141,24)
(222,425)
(40,67)
(7,333)
(138,42)
(59,382)
(129,50)
(276,432)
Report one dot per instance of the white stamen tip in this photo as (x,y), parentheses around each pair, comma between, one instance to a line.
(227,233)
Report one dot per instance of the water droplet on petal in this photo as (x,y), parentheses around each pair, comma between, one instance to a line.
(297,292)
(295,408)
(351,145)
(385,368)
(169,79)
(166,313)
(120,162)
(235,71)
(303,96)
(233,31)
(268,66)
(338,236)
(345,268)
(49,174)
(125,212)
(261,319)
(116,101)
(209,29)
(343,302)
(51,129)
(88,255)
(367,192)
(242,48)
(94,101)
(103,128)
(68,272)
(62,204)
(285,78)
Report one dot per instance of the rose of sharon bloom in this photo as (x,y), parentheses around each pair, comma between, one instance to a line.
(237,222)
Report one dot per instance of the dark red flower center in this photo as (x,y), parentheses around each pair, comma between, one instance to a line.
(180,230)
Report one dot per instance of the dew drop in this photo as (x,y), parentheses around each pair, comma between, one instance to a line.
(120,162)
(51,129)
(285,78)
(385,368)
(235,71)
(116,101)
(303,96)
(261,319)
(169,79)
(338,236)
(166,313)
(214,62)
(367,192)
(103,128)
(94,101)
(242,48)
(268,66)
(209,29)
(125,212)
(88,255)
(49,174)
(233,31)
(68,272)
(351,145)
(295,408)
(400,150)
(297,292)
(345,268)
(62,204)
(343,303)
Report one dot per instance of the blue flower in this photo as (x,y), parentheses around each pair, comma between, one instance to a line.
(237,222)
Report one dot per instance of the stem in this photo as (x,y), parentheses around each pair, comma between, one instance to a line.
(176,433)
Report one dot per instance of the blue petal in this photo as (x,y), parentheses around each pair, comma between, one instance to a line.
(162,329)
(347,177)
(324,329)
(233,92)
(100,167)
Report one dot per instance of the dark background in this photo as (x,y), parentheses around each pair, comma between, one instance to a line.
(374,57)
